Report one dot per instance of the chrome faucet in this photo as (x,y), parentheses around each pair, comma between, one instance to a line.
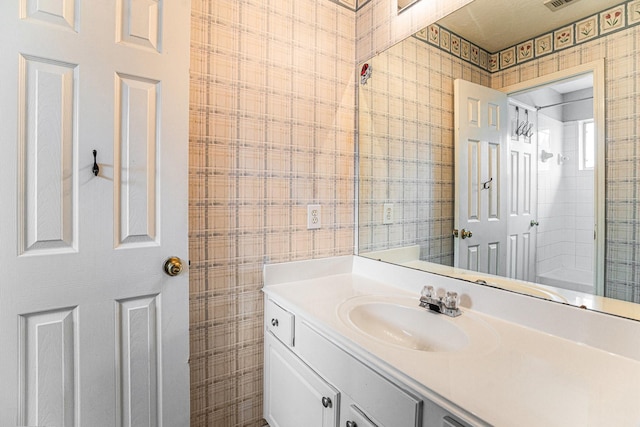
(446,305)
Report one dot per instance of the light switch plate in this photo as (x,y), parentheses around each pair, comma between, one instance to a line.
(313,217)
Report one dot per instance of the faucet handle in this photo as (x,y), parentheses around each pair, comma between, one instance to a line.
(428,292)
(451,300)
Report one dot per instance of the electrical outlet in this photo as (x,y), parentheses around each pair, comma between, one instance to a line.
(313,217)
(387,213)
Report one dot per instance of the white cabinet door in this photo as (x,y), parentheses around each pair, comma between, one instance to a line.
(93,332)
(294,394)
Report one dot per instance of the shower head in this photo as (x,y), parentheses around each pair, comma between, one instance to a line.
(544,156)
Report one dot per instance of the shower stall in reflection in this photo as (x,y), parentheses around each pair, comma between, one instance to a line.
(565,220)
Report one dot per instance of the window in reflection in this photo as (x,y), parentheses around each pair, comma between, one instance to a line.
(587,145)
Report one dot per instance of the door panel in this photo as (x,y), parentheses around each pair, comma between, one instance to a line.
(526,256)
(46,147)
(57,12)
(512,256)
(494,187)
(138,327)
(527,188)
(514,168)
(47,367)
(494,257)
(474,167)
(139,23)
(136,152)
(473,262)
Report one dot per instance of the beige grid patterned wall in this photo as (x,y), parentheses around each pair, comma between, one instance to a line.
(272,130)
(407,148)
(622,175)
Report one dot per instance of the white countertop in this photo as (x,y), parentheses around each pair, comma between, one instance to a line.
(524,377)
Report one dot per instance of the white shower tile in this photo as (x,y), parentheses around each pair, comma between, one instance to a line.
(584,236)
(585,195)
(584,263)
(584,223)
(569,261)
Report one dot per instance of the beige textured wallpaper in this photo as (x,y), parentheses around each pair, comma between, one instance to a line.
(406,148)
(272,130)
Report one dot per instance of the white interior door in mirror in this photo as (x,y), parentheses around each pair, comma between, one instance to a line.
(522,197)
(480,153)
(93,332)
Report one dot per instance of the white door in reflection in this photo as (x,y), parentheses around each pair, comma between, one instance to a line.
(481,149)
(522,172)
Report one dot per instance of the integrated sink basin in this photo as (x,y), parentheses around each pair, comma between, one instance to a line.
(408,327)
(399,322)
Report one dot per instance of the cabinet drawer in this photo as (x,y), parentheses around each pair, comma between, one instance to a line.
(384,402)
(279,322)
(357,418)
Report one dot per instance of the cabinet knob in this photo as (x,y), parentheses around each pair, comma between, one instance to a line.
(351,424)
(326,402)
(274,322)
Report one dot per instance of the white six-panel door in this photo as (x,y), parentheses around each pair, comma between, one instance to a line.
(93,332)
(523,194)
(480,172)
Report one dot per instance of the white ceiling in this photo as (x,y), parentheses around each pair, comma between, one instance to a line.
(568,86)
(494,25)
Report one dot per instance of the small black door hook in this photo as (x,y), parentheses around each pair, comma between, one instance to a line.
(96,168)
(487,184)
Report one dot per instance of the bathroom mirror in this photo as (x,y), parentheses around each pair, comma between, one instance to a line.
(404,4)
(407,209)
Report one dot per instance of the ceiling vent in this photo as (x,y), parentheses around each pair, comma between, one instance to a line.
(554,5)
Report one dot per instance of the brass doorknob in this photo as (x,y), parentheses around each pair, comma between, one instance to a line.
(465,233)
(173,266)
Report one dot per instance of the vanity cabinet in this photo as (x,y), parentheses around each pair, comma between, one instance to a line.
(294,394)
(383,402)
(310,381)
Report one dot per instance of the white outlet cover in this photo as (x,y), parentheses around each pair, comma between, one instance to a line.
(313,217)
(387,212)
